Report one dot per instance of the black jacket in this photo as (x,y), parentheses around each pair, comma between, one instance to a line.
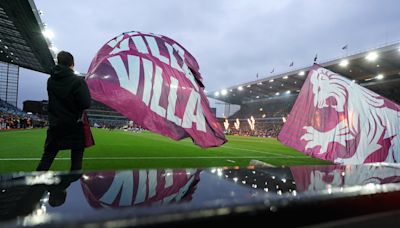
(68,97)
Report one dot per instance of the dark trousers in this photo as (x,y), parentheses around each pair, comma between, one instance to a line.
(49,155)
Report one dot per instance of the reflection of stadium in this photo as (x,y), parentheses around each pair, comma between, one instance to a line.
(273,180)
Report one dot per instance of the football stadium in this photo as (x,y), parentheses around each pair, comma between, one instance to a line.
(268,101)
(268,154)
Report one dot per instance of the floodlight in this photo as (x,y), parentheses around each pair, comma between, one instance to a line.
(372,56)
(344,63)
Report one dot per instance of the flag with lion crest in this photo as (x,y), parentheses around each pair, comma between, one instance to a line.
(336,119)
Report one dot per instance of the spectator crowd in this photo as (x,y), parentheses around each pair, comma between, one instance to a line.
(13,118)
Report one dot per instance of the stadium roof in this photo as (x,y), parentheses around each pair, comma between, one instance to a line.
(21,39)
(373,67)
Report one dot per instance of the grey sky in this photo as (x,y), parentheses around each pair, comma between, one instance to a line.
(232,40)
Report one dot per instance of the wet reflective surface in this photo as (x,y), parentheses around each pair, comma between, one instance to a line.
(165,196)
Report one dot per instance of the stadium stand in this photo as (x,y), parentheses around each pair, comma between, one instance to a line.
(269,99)
(21,45)
(365,72)
(278,107)
(103,116)
(99,114)
(267,113)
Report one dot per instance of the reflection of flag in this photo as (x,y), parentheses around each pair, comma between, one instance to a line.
(317,178)
(139,188)
(344,47)
(154,81)
(291,64)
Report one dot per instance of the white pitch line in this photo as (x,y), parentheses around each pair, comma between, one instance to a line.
(190,144)
(252,140)
(262,152)
(145,158)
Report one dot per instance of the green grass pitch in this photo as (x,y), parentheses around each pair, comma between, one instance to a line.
(21,151)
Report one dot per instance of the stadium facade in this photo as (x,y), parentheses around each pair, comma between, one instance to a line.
(9,76)
(372,68)
(21,45)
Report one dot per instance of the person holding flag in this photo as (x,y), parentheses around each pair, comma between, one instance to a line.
(69,96)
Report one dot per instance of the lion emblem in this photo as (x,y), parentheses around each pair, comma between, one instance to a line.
(368,120)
